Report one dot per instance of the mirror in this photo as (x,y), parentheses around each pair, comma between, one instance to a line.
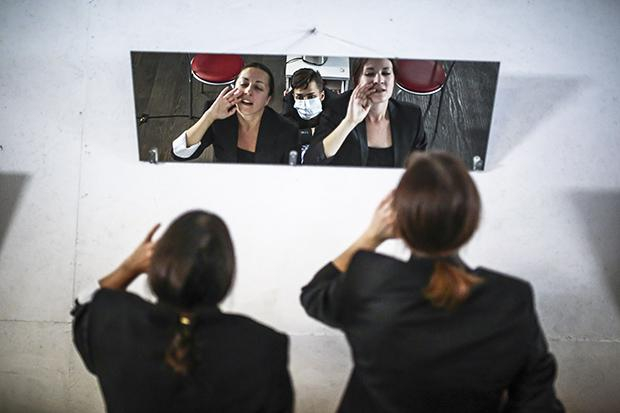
(443,105)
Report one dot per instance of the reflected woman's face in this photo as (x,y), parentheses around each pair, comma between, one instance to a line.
(381,73)
(253,83)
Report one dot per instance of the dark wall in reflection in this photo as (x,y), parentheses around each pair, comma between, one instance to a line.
(162,84)
(466,109)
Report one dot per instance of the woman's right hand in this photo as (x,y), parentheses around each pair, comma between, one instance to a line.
(225,103)
(359,103)
(383,221)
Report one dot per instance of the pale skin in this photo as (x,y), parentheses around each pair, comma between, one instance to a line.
(137,263)
(247,100)
(369,103)
(381,228)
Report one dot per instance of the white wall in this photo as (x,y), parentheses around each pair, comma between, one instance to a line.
(75,200)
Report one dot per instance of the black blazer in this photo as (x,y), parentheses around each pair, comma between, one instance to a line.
(412,357)
(241,366)
(406,125)
(277,136)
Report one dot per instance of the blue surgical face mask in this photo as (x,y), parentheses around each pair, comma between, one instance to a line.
(308,108)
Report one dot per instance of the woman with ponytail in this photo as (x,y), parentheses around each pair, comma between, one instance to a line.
(431,334)
(181,354)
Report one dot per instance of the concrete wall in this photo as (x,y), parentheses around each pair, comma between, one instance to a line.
(74,200)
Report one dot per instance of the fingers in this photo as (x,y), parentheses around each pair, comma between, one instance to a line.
(149,236)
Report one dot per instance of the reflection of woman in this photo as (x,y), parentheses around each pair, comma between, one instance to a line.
(365,127)
(431,334)
(181,354)
(256,134)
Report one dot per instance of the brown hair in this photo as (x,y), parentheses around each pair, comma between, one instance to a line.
(437,210)
(302,78)
(193,265)
(357,66)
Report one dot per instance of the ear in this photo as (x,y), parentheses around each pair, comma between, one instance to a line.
(268,100)
(322,95)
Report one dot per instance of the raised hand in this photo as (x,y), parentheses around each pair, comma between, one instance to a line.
(225,103)
(359,103)
(137,263)
(383,220)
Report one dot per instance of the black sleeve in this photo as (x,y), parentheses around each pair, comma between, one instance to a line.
(315,155)
(81,334)
(205,141)
(323,297)
(290,135)
(532,390)
(280,397)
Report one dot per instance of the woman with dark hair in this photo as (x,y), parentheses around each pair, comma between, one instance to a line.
(181,354)
(431,334)
(366,127)
(255,134)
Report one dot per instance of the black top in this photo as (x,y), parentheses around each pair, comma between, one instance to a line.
(406,125)
(412,357)
(381,157)
(241,365)
(277,136)
(244,156)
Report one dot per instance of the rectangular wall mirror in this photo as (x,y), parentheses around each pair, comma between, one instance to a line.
(401,105)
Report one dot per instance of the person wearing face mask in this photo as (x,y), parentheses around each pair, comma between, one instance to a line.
(365,126)
(305,102)
(240,125)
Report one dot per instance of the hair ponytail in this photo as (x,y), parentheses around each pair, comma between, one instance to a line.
(179,354)
(449,285)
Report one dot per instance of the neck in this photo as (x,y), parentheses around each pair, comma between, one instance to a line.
(378,112)
(249,121)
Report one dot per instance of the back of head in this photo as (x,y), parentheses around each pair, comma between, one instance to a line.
(193,263)
(437,210)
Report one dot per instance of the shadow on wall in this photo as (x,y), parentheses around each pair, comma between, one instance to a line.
(600,212)
(521,105)
(12,186)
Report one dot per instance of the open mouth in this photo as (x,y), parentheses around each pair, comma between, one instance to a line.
(246,102)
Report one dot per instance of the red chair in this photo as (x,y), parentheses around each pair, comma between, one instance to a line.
(213,69)
(420,77)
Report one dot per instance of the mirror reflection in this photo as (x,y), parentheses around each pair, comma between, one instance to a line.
(309,110)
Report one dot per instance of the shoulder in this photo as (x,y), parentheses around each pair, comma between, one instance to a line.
(370,262)
(114,299)
(279,123)
(407,108)
(254,330)
(510,288)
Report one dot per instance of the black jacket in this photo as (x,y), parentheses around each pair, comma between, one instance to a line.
(412,357)
(406,125)
(241,365)
(277,136)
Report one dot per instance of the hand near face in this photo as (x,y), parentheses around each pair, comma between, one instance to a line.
(383,220)
(359,103)
(140,259)
(225,103)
